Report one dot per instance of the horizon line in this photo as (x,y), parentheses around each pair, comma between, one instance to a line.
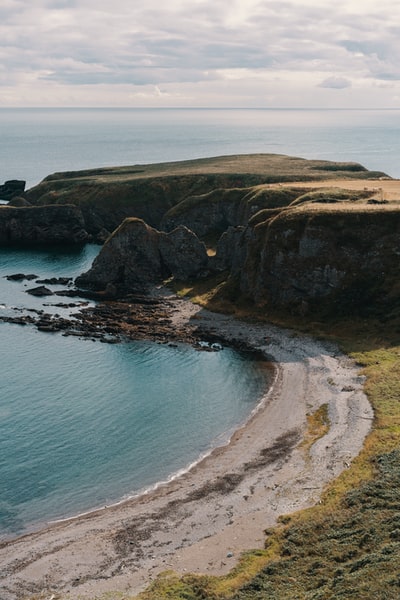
(287,108)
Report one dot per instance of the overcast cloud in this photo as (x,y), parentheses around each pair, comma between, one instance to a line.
(264,53)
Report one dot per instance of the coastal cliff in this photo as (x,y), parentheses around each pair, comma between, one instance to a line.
(300,235)
(334,259)
(41,225)
(307,258)
(166,195)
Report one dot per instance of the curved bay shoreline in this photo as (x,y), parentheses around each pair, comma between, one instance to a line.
(203,520)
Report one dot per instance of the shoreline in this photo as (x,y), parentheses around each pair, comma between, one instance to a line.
(152,489)
(202,520)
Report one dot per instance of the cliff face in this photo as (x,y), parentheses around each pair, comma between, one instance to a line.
(306,259)
(339,259)
(215,211)
(41,225)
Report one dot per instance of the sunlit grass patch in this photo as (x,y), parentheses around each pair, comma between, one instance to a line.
(317,426)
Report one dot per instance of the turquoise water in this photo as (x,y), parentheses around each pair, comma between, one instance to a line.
(37,142)
(83,424)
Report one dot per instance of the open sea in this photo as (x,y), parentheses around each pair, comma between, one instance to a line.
(85,424)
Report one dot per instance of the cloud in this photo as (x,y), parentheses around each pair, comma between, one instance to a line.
(335,83)
(94,43)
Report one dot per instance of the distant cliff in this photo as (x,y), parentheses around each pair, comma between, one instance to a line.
(42,225)
(187,192)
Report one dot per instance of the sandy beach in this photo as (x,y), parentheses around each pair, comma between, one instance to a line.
(203,520)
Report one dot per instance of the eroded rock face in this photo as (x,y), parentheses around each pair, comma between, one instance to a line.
(137,256)
(183,254)
(129,258)
(341,260)
(229,255)
(40,225)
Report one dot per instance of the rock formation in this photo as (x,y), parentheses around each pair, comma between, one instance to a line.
(301,249)
(11,188)
(41,225)
(332,260)
(137,256)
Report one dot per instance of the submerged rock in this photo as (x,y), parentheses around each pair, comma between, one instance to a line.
(41,290)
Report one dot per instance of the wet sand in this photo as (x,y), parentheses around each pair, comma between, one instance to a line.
(203,520)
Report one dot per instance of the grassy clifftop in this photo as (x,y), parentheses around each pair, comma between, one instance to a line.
(108,195)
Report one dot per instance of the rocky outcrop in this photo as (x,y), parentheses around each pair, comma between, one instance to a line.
(137,256)
(182,253)
(334,260)
(41,225)
(11,188)
(230,250)
(307,259)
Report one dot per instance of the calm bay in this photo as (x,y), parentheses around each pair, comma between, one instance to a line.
(84,424)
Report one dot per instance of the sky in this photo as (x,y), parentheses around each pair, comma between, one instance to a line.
(200,53)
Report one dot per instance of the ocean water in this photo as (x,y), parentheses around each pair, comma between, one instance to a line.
(38,142)
(84,424)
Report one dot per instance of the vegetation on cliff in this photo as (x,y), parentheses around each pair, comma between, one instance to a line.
(107,196)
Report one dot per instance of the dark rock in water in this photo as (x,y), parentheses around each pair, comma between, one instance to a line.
(56,280)
(40,291)
(20,277)
(11,188)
